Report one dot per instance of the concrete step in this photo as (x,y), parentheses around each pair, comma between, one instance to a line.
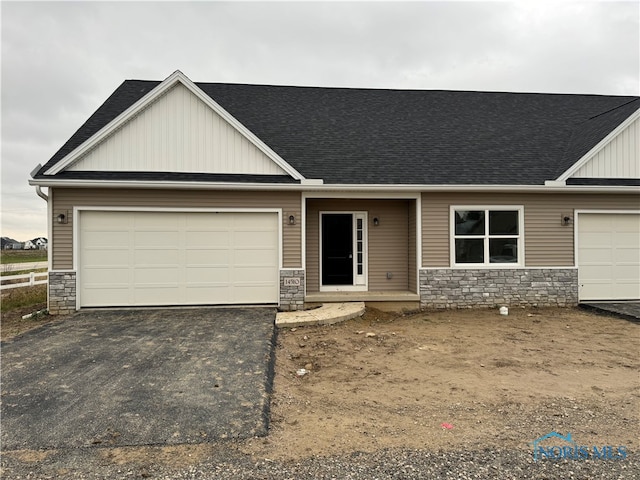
(327,314)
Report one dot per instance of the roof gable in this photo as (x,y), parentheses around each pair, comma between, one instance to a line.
(616,156)
(175,127)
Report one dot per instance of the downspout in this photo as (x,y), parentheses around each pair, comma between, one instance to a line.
(39,191)
(45,197)
(41,194)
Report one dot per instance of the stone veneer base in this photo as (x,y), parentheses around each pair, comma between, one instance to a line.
(291,289)
(467,288)
(62,293)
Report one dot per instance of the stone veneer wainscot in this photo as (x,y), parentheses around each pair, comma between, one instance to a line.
(466,288)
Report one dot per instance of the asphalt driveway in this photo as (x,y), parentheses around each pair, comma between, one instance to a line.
(143,377)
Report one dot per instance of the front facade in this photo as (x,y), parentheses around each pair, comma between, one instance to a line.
(177,193)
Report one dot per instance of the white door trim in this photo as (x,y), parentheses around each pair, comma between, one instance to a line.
(360,282)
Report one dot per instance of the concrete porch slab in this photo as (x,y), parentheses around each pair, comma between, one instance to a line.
(327,314)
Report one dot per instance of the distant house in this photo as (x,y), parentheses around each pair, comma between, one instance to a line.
(183,193)
(38,243)
(6,243)
(41,243)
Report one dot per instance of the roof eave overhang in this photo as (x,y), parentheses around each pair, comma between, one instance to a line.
(317,187)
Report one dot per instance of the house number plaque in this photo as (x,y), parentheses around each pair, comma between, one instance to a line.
(291,282)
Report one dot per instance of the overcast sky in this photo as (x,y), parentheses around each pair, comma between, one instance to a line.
(60,61)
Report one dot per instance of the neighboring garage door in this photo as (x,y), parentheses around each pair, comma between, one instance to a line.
(177,258)
(608,256)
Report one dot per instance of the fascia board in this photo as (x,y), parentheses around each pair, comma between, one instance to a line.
(159,90)
(53,182)
(603,143)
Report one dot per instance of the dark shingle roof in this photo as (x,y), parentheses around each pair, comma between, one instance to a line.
(370,136)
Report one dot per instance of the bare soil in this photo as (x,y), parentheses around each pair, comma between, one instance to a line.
(446,379)
(438,381)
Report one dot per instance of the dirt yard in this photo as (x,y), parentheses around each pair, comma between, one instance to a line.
(446,380)
(455,379)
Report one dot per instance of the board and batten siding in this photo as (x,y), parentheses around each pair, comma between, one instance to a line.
(177,133)
(547,242)
(64,199)
(620,158)
(388,242)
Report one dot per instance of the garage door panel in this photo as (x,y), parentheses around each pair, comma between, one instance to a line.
(208,275)
(627,256)
(608,256)
(210,257)
(108,295)
(597,256)
(107,257)
(261,293)
(626,273)
(254,238)
(161,275)
(156,256)
(178,258)
(157,238)
(252,274)
(201,295)
(106,239)
(251,257)
(148,295)
(205,239)
(107,221)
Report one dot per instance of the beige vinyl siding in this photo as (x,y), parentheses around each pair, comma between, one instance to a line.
(547,242)
(413,279)
(388,243)
(620,158)
(64,199)
(178,133)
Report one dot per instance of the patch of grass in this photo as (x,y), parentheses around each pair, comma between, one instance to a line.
(23,297)
(23,256)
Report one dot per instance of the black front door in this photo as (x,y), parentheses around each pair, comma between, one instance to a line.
(337,249)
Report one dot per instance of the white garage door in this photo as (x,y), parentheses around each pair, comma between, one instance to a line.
(609,256)
(171,258)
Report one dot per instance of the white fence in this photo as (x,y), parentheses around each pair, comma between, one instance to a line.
(30,277)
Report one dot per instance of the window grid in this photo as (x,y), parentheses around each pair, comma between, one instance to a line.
(487,237)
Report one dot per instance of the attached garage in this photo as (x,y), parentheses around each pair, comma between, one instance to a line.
(608,256)
(149,258)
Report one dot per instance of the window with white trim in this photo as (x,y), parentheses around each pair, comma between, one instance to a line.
(487,236)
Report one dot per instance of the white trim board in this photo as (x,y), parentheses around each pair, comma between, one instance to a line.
(345,190)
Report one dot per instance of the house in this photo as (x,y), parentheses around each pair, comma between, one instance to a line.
(6,243)
(40,243)
(183,193)
(29,245)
